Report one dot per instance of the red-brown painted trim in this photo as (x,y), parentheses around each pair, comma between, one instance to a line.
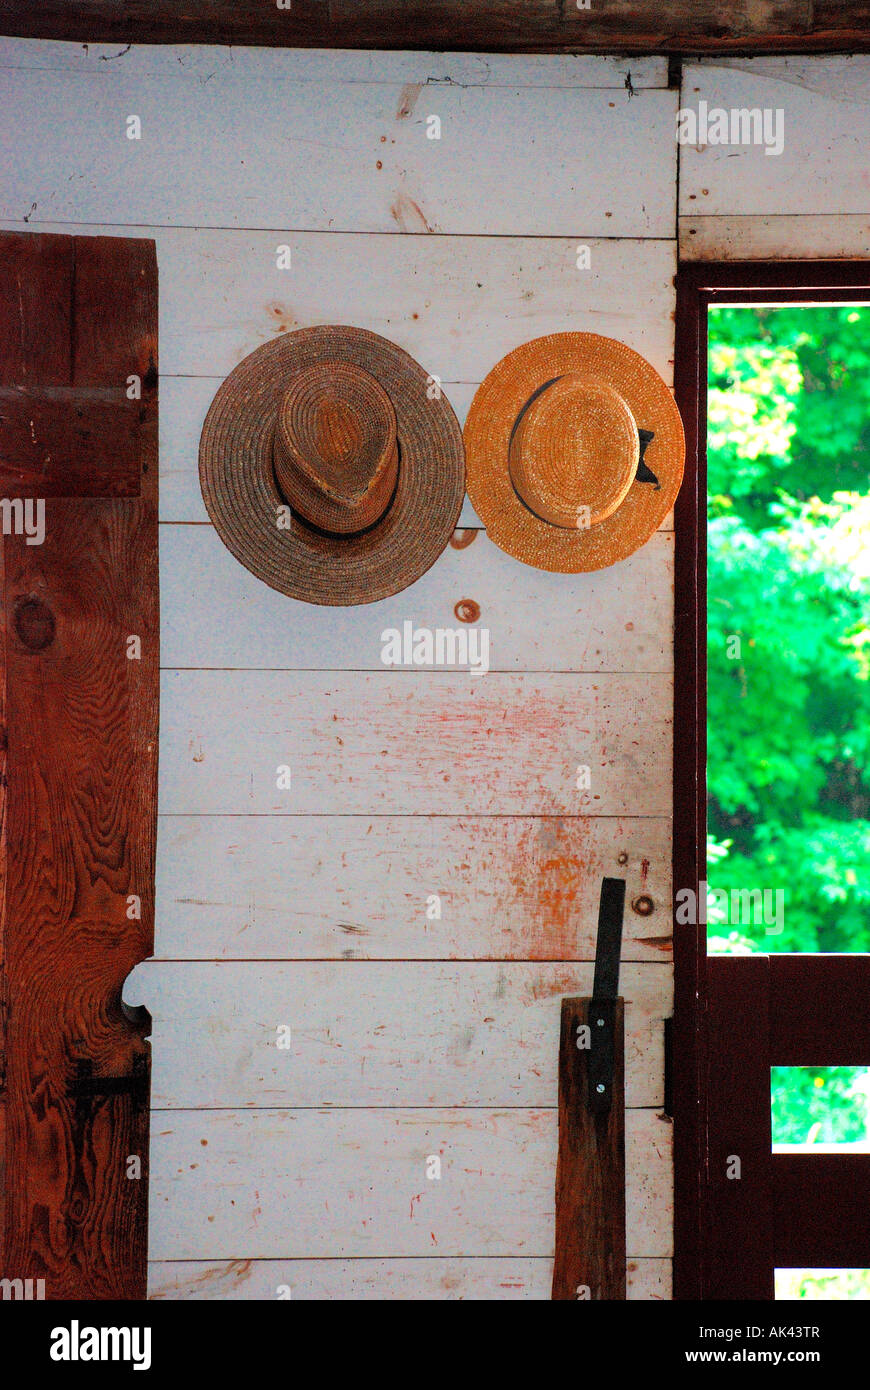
(698,286)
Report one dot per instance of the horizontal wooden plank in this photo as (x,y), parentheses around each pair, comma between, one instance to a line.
(266,1184)
(826,128)
(618,619)
(314,66)
(436,743)
(821,1210)
(455,304)
(421,1280)
(804,236)
(369,163)
(511,888)
(503,25)
(805,1031)
(368,1033)
(70,442)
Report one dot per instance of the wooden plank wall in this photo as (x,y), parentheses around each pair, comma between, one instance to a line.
(810,202)
(410,1038)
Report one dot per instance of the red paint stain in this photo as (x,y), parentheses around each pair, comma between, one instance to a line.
(418,1198)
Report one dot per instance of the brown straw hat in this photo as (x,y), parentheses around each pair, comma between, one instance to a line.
(574,450)
(331,466)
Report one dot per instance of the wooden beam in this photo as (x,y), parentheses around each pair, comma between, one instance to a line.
(80,743)
(499,26)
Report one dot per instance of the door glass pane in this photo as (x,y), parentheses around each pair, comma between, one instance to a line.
(822,1283)
(788,710)
(820,1108)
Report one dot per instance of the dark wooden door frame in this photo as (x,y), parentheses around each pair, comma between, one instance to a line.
(698,286)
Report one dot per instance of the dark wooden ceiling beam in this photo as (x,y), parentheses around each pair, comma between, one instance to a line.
(507,26)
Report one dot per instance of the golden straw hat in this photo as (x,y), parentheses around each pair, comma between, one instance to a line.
(332,466)
(574,452)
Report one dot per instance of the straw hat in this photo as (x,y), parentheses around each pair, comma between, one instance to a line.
(574,450)
(328,470)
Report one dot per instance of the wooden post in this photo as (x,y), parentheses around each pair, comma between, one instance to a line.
(590,1173)
(79,799)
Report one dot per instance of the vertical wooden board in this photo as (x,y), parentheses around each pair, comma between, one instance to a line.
(282,1184)
(435,1278)
(368,165)
(425,743)
(349,1033)
(740,1246)
(590,1170)
(618,619)
(80,815)
(36,302)
(348,887)
(119,275)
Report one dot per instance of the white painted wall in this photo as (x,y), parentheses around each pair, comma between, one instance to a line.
(305,1166)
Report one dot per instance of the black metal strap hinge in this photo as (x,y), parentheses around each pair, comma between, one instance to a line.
(605,993)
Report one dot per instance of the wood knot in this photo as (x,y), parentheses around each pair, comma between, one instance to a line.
(34,623)
(467,611)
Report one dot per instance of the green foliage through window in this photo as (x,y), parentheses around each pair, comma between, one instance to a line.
(789,622)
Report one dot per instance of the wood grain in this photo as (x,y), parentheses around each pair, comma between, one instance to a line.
(434,1278)
(365,743)
(80,817)
(356,887)
(70,443)
(379,1033)
(284,1184)
(488,25)
(770,237)
(590,1171)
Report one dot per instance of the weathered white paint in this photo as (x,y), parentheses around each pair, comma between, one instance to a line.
(384,1280)
(283,1184)
(794,236)
(823,166)
(618,619)
(357,887)
(404,784)
(475,298)
(199,63)
(448,743)
(372,1033)
(262,149)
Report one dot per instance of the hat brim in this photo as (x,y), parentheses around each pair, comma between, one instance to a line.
(242,497)
(496,405)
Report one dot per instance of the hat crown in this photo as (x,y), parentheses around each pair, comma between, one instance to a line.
(335,452)
(574,451)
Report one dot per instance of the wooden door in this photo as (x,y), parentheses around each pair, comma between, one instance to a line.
(80,671)
(741,1210)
